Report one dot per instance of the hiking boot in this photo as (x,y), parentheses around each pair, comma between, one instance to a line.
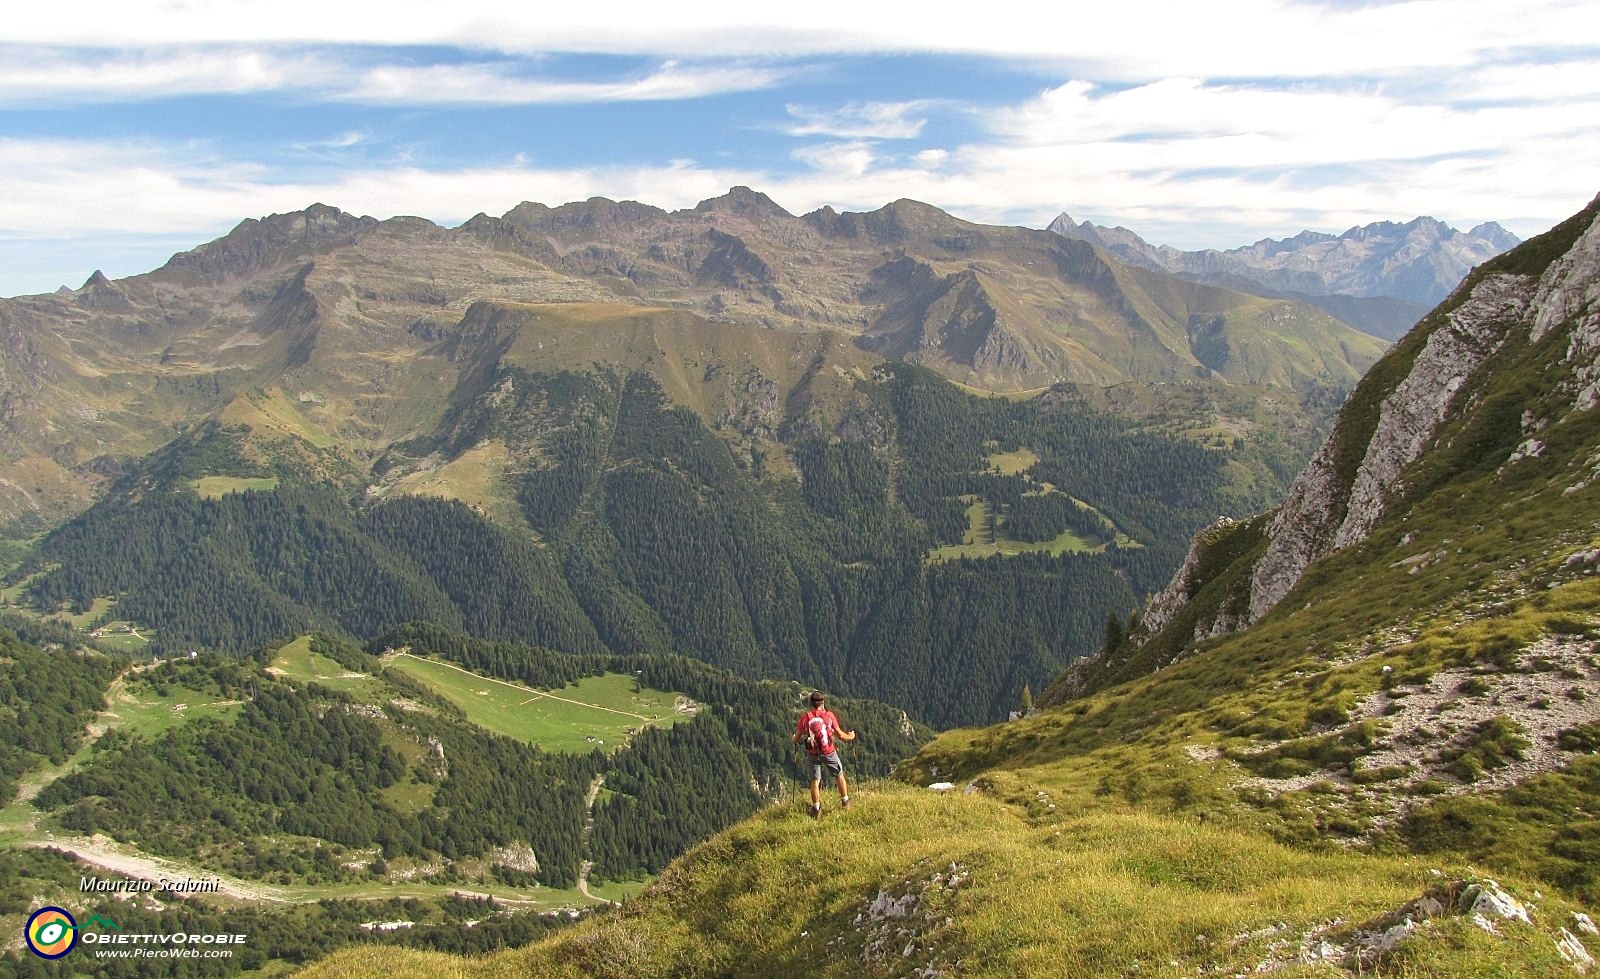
(844,803)
(816,812)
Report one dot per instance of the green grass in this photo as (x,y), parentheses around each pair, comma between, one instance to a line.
(409,795)
(987,890)
(597,713)
(138,709)
(1013,463)
(618,891)
(12,554)
(298,662)
(123,636)
(216,487)
(81,620)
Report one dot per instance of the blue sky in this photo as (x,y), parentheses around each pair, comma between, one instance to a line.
(130,130)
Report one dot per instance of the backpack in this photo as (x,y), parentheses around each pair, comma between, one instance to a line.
(818,740)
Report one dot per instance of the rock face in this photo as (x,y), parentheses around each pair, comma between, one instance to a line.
(1323,512)
(1442,374)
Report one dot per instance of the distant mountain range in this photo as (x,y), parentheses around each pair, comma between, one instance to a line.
(366,324)
(1380,277)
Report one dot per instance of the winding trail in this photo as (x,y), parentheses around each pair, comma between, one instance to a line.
(588,829)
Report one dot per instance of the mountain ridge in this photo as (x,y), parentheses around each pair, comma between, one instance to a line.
(1385,274)
(348,314)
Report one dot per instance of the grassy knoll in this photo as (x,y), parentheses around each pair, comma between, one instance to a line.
(273,413)
(148,711)
(597,712)
(216,487)
(476,477)
(297,661)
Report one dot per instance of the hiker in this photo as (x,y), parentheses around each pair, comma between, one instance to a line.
(816,729)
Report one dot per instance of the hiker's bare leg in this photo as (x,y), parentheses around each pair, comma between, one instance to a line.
(844,788)
(816,791)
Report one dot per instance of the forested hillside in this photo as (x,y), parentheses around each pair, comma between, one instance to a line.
(46,700)
(291,781)
(650,535)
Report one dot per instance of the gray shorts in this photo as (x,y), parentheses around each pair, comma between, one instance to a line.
(830,761)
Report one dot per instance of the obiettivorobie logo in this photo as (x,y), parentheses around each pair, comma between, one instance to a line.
(52,932)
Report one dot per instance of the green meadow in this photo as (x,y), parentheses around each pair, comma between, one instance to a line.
(598,712)
(985,537)
(216,487)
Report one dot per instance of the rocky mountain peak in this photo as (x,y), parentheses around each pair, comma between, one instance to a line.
(744,202)
(99,292)
(259,245)
(1063,224)
(595,215)
(1496,236)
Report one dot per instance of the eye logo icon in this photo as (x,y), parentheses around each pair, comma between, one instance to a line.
(51,933)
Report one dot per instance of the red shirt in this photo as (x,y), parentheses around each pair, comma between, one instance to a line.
(823,724)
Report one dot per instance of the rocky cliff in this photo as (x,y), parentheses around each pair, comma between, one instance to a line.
(1484,381)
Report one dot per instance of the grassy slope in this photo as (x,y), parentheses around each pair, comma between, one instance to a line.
(993,891)
(1115,831)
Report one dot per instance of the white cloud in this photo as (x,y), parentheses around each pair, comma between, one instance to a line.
(849,160)
(1129,40)
(868,120)
(490,84)
(1566,79)
(56,188)
(1187,124)
(33,76)
(30,76)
